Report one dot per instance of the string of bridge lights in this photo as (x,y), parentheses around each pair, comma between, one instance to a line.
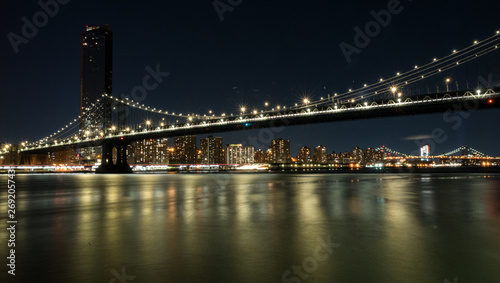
(59,133)
(436,66)
(470,149)
(455,151)
(417,73)
(386,149)
(135,104)
(129,102)
(394,88)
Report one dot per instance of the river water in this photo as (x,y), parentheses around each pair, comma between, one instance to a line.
(262,227)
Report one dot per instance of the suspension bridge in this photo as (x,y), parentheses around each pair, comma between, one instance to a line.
(386,97)
(461,151)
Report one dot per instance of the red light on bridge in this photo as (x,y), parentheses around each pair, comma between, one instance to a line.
(490,101)
(121,138)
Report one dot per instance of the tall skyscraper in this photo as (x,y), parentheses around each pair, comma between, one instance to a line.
(211,150)
(96,63)
(425,150)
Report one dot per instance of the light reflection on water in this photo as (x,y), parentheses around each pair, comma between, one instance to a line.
(254,227)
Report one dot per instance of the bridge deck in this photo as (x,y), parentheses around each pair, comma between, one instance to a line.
(434,103)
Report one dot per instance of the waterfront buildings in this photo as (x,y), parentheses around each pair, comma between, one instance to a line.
(211,150)
(304,155)
(320,155)
(239,154)
(149,151)
(185,151)
(280,151)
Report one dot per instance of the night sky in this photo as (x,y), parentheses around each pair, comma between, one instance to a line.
(275,51)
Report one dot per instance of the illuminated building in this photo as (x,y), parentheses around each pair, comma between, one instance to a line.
(185,149)
(239,154)
(320,155)
(305,155)
(260,156)
(211,150)
(357,154)
(280,151)
(369,156)
(425,150)
(66,156)
(149,151)
(379,156)
(332,158)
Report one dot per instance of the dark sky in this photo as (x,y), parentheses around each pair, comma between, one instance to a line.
(274,51)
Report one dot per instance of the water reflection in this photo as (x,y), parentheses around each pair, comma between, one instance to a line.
(254,227)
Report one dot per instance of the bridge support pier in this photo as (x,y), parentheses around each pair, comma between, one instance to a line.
(121,164)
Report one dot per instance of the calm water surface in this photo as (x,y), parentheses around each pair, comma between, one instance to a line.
(255,228)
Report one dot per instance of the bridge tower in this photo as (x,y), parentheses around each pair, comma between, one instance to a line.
(121,165)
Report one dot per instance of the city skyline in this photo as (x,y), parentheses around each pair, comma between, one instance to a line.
(240,89)
(250,141)
(211,150)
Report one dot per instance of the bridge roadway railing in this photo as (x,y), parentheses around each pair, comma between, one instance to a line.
(433,103)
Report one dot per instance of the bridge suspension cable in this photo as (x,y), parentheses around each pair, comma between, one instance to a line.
(67,130)
(461,149)
(137,105)
(389,150)
(436,66)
